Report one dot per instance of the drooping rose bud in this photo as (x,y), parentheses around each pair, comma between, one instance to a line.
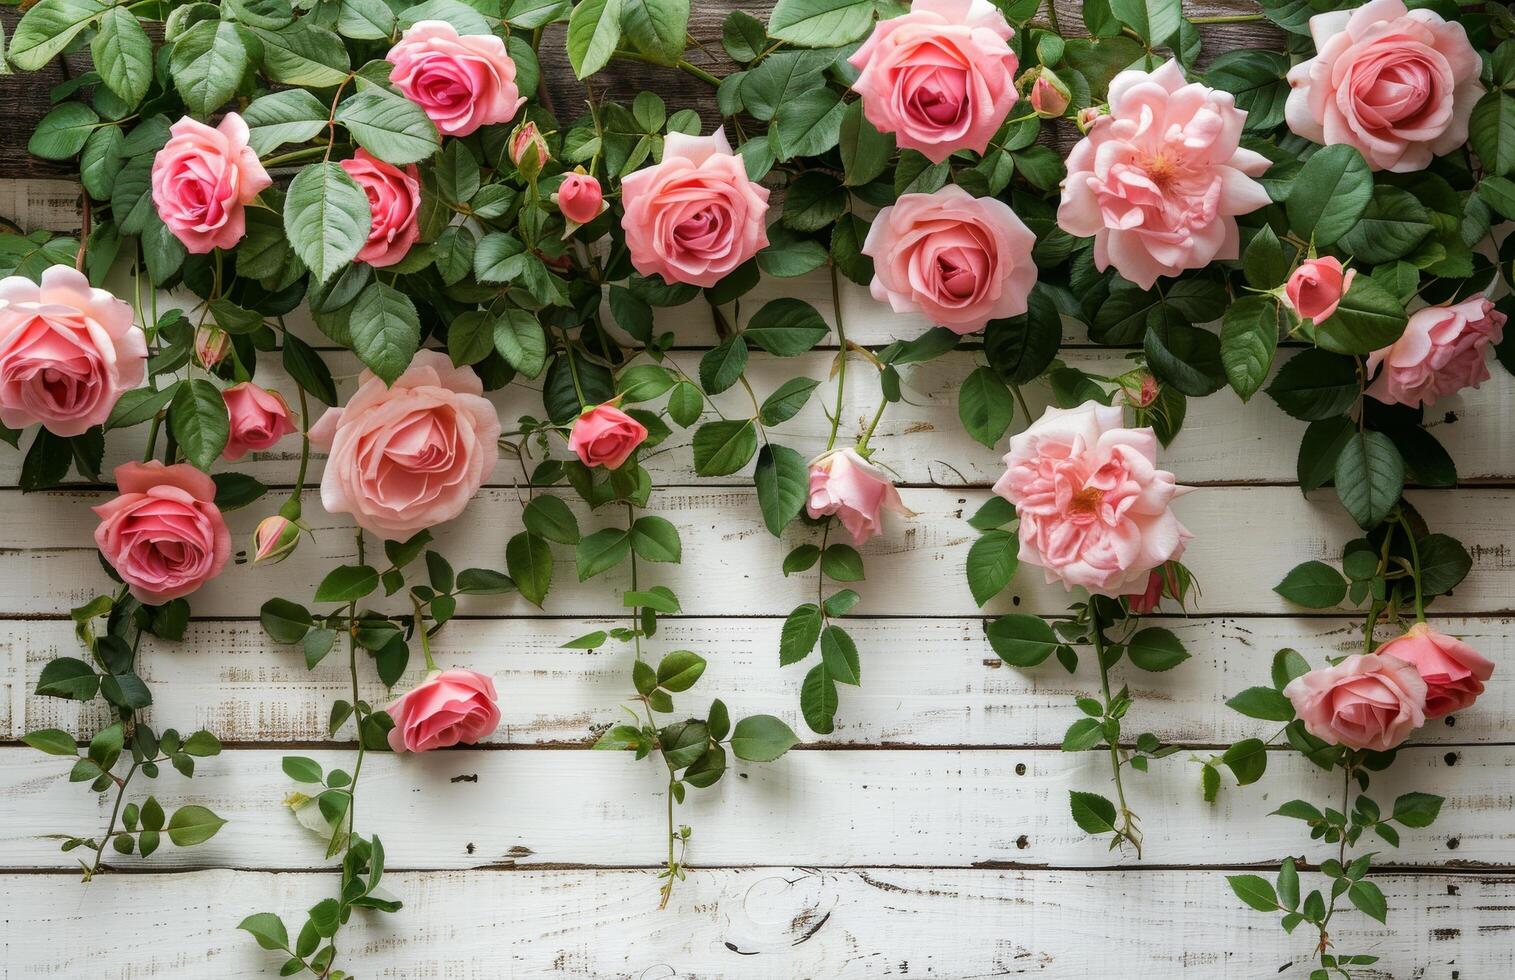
(1146,394)
(1453,671)
(843,483)
(1317,286)
(260,417)
(579,198)
(274,539)
(1142,603)
(212,344)
(528,150)
(1048,95)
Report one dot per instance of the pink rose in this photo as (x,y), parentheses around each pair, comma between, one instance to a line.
(163,533)
(1317,286)
(394,201)
(403,458)
(274,539)
(843,483)
(1453,671)
(67,352)
(1095,511)
(449,706)
(1397,84)
(1159,181)
(941,78)
(259,418)
(462,81)
(695,216)
(959,260)
(1440,353)
(579,198)
(605,436)
(1367,701)
(202,178)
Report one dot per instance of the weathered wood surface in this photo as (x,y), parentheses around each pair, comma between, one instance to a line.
(753,924)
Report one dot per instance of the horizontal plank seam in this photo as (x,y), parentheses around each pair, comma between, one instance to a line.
(1507,613)
(1500,483)
(307,745)
(1496,873)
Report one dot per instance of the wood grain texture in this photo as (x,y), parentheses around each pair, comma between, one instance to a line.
(752,924)
(925,681)
(471,808)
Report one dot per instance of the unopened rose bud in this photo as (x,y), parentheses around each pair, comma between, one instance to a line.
(528,150)
(274,540)
(1142,603)
(579,198)
(1087,116)
(212,344)
(1049,96)
(1147,393)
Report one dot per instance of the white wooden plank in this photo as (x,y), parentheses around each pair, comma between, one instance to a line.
(928,808)
(920,438)
(749,924)
(926,681)
(1246,538)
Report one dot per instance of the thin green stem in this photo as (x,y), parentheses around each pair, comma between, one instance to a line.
(110,828)
(420,621)
(1420,602)
(1377,606)
(694,71)
(862,443)
(299,490)
(841,367)
(1128,819)
(1020,399)
(1228,19)
(294,156)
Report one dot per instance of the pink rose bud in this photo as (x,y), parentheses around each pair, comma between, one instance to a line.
(449,707)
(259,419)
(843,483)
(1049,96)
(605,436)
(461,81)
(274,540)
(1441,352)
(163,533)
(67,352)
(394,205)
(1453,671)
(1142,603)
(1367,701)
(1317,286)
(528,149)
(1397,84)
(1131,186)
(1095,510)
(579,198)
(1147,393)
(203,178)
(1087,116)
(212,344)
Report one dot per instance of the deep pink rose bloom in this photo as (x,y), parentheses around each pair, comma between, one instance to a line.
(463,81)
(1367,701)
(1317,286)
(959,260)
(845,484)
(1453,671)
(1397,84)
(1095,511)
(941,78)
(259,419)
(404,458)
(1159,181)
(163,533)
(394,201)
(67,352)
(1440,353)
(605,436)
(579,198)
(449,706)
(201,180)
(695,216)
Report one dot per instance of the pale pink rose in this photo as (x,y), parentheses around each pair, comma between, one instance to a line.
(448,707)
(259,419)
(202,179)
(404,458)
(843,483)
(274,539)
(579,198)
(1159,181)
(605,436)
(695,216)
(163,533)
(394,201)
(1317,286)
(67,352)
(941,78)
(1440,353)
(1367,701)
(959,260)
(1453,671)
(462,81)
(1397,84)
(1095,511)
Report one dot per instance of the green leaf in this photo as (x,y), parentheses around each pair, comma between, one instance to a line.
(820,23)
(1021,640)
(1315,384)
(819,700)
(1255,891)
(1491,128)
(594,30)
(601,551)
(52,741)
(1156,21)
(786,401)
(723,365)
(267,929)
(1314,585)
(1370,476)
(1249,341)
(810,123)
(842,563)
(1417,809)
(519,338)
(1319,450)
(304,55)
(865,151)
(1287,665)
(723,447)
(782,480)
(394,129)
(802,628)
(327,220)
(1444,563)
(1093,813)
(996,512)
(528,559)
(1368,318)
(308,370)
(679,670)
(839,654)
(1369,900)
(992,561)
(1247,760)
(1329,194)
(1021,348)
(1257,79)
(193,824)
(657,27)
(1263,703)
(761,738)
(386,331)
(207,63)
(1391,228)
(655,539)
(1156,649)
(985,406)
(123,55)
(1187,358)
(302,770)
(198,419)
(284,621)
(347,583)
(47,29)
(786,327)
(63,131)
(549,517)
